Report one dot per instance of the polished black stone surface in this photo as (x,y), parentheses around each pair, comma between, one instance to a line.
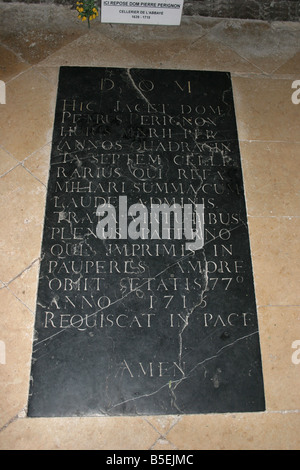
(131,325)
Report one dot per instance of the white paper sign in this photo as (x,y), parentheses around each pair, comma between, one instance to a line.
(166,12)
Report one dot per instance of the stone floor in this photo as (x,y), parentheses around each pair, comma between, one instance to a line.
(264,59)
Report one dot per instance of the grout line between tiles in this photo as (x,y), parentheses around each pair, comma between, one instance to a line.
(19,74)
(283,412)
(277,305)
(247,75)
(12,420)
(244,58)
(156,441)
(169,429)
(163,435)
(14,158)
(163,439)
(32,174)
(41,62)
(8,152)
(37,150)
(18,55)
(152,425)
(6,284)
(273,216)
(270,141)
(45,76)
(20,300)
(20,415)
(26,169)
(265,75)
(11,169)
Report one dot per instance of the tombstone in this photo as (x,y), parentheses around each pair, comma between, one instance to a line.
(146,301)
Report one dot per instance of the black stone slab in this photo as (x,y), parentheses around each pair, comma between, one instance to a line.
(144,326)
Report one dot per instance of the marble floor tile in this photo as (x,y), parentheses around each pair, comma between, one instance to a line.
(26,119)
(164,445)
(266,45)
(22,200)
(279,329)
(56,17)
(50,73)
(24,286)
(162,424)
(155,45)
(275,257)
(35,33)
(189,29)
(39,162)
(79,434)
(16,323)
(290,67)
(260,431)
(35,45)
(93,49)
(7,162)
(209,54)
(264,109)
(10,64)
(277,195)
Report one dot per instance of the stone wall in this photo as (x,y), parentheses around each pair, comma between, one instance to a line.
(267,10)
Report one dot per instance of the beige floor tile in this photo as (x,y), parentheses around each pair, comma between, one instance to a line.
(119,32)
(264,109)
(153,53)
(22,200)
(162,424)
(78,433)
(10,64)
(266,45)
(35,45)
(257,431)
(92,50)
(164,445)
(278,194)
(27,118)
(154,45)
(25,285)
(7,162)
(209,54)
(56,17)
(275,255)
(291,66)
(50,73)
(16,323)
(35,33)
(279,328)
(38,163)
(189,29)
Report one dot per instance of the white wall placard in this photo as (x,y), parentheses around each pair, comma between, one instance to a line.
(166,12)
